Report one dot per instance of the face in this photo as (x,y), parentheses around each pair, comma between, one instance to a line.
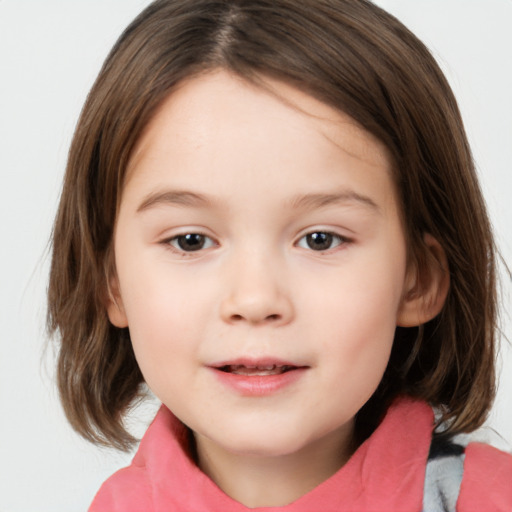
(260,264)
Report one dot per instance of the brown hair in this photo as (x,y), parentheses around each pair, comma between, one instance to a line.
(356,58)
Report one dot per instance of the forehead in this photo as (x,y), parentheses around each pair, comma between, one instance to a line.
(245,148)
(220,105)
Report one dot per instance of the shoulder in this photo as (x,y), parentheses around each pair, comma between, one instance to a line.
(127,490)
(158,460)
(487,480)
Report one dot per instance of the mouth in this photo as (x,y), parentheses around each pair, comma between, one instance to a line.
(258,377)
(257,370)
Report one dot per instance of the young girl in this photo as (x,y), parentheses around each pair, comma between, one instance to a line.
(271,218)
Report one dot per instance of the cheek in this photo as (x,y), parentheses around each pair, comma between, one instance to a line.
(164,318)
(356,316)
(363,296)
(355,352)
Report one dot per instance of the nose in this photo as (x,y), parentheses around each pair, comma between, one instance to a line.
(256,293)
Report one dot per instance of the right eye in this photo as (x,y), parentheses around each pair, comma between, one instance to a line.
(190,242)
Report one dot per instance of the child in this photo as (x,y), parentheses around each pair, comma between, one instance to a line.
(271,218)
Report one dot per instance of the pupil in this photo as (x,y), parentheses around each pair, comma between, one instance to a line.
(191,242)
(319,241)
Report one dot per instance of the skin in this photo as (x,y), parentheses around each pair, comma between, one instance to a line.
(260,173)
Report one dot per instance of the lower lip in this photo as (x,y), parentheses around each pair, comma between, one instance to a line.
(259,385)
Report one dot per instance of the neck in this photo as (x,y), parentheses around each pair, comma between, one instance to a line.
(263,481)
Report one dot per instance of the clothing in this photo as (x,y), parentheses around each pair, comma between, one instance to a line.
(443,475)
(386,473)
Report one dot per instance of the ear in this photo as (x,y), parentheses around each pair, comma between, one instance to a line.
(426,286)
(115,307)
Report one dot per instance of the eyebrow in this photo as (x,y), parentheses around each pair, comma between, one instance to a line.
(173,197)
(301,202)
(312,201)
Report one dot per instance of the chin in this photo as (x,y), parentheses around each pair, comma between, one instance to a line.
(271,443)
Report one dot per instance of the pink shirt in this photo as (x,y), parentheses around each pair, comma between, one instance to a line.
(386,473)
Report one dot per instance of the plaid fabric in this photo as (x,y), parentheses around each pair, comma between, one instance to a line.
(443,474)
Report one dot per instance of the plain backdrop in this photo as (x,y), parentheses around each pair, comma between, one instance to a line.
(50,53)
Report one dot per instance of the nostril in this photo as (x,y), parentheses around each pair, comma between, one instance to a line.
(268,318)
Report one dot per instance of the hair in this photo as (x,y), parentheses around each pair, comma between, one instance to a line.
(354,57)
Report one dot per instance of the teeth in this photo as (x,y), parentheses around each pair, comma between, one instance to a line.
(257,370)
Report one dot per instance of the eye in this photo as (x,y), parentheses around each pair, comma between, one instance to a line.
(190,242)
(321,241)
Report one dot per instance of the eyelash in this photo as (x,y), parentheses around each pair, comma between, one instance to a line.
(328,237)
(170,242)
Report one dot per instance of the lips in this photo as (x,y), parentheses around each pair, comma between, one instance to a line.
(256,366)
(257,370)
(257,378)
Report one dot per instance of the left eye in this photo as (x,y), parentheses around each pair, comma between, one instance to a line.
(191,242)
(320,241)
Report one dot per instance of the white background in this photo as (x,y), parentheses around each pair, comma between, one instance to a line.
(50,53)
